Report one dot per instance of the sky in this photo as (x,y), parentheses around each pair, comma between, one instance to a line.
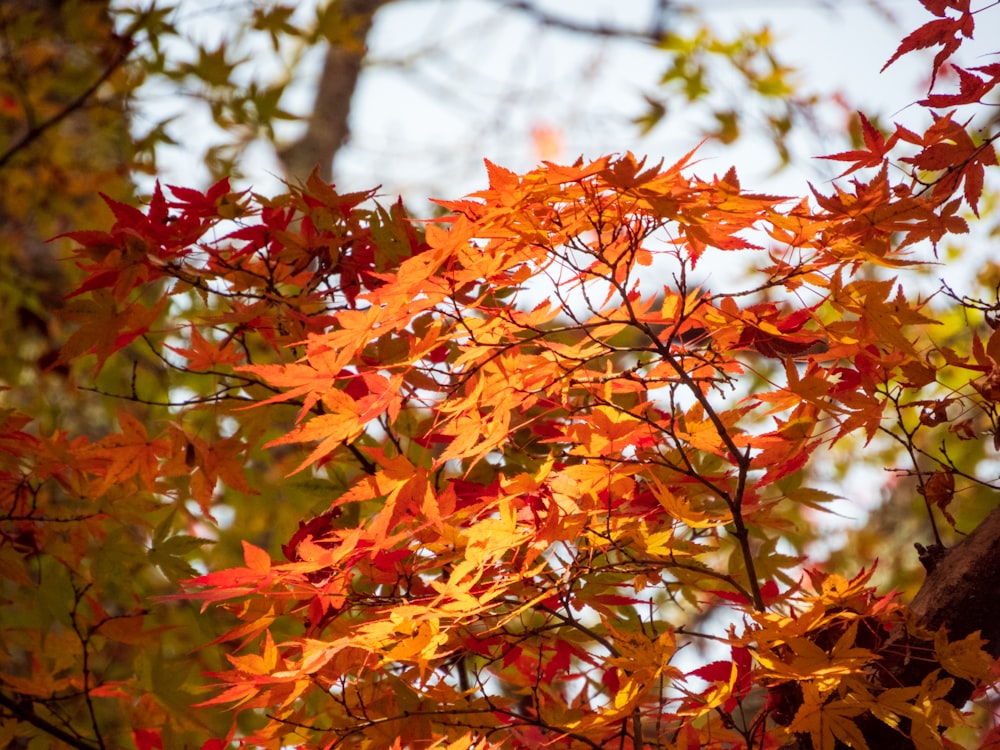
(450,82)
(496,77)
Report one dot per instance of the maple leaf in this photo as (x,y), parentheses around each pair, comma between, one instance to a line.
(943,32)
(972,88)
(939,490)
(204,355)
(218,200)
(147,739)
(964,658)
(728,681)
(128,454)
(948,146)
(828,723)
(15,442)
(679,506)
(105,327)
(877,146)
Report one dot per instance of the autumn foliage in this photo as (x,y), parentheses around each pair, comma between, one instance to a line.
(528,483)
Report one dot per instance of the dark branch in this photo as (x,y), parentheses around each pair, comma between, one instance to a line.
(652,35)
(29,716)
(125,46)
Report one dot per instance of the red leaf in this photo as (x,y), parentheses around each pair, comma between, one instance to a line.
(201,205)
(942,32)
(769,593)
(147,739)
(314,529)
(940,7)
(972,89)
(733,597)
(125,214)
(717,671)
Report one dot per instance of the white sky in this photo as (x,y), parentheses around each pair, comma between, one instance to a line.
(454,81)
(519,76)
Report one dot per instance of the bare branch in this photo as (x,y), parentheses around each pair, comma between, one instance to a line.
(652,35)
(126,44)
(24,713)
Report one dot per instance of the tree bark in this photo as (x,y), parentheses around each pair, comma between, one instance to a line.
(961,594)
(328,126)
(962,591)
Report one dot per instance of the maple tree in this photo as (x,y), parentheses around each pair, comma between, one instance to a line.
(510,476)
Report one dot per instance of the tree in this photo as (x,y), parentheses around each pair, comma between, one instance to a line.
(73,77)
(506,469)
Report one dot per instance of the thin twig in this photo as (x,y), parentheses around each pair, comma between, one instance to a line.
(125,46)
(30,717)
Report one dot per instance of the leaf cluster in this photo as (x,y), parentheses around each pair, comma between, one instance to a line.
(494,477)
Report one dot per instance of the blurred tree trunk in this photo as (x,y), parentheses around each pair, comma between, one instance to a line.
(328,125)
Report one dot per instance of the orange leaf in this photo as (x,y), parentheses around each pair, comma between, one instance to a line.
(256,559)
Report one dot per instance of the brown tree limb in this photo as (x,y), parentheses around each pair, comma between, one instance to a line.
(961,594)
(29,716)
(328,125)
(962,591)
(126,45)
(652,35)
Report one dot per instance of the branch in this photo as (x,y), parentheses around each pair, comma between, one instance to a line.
(962,592)
(328,125)
(543,18)
(85,666)
(126,45)
(29,716)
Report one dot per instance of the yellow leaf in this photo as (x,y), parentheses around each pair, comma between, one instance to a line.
(964,658)
(828,722)
(658,542)
(625,697)
(679,507)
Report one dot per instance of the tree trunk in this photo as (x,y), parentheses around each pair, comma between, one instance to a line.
(329,123)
